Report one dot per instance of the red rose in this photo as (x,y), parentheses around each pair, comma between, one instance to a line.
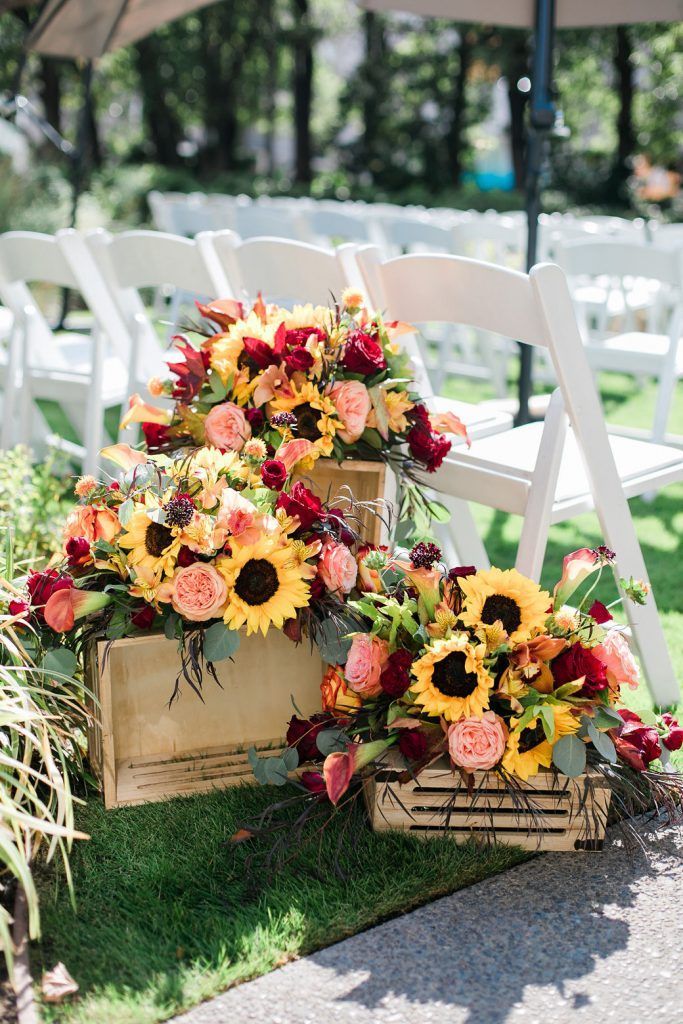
(22,608)
(413,744)
(298,336)
(302,733)
(362,354)
(425,445)
(186,557)
(77,550)
(274,474)
(259,353)
(395,677)
(156,435)
(313,781)
(599,612)
(299,359)
(143,618)
(577,661)
(256,420)
(317,588)
(42,585)
(674,738)
(302,503)
(636,743)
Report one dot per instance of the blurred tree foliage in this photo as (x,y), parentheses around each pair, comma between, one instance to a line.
(320,95)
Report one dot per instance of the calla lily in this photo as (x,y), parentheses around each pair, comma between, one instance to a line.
(140,411)
(65,606)
(340,767)
(427,583)
(223,312)
(124,456)
(294,451)
(576,567)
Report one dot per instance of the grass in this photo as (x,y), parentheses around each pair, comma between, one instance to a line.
(165,913)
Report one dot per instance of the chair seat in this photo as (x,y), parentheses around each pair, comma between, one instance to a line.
(497,471)
(481,420)
(631,352)
(60,385)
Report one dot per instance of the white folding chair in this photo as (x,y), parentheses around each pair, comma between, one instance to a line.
(135,260)
(646,270)
(284,271)
(85,374)
(270,220)
(546,473)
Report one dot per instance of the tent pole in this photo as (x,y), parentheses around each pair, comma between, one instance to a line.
(541,121)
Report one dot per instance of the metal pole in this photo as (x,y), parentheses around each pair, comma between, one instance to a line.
(541,121)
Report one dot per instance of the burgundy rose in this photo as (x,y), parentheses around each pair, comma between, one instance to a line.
(362,354)
(274,474)
(302,733)
(577,661)
(42,585)
(78,551)
(143,618)
(300,359)
(599,612)
(20,607)
(259,353)
(255,419)
(674,738)
(186,557)
(313,781)
(156,435)
(425,445)
(292,630)
(413,744)
(298,336)
(302,503)
(461,572)
(395,677)
(636,743)
(317,588)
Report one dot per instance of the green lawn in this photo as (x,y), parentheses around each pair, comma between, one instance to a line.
(166,915)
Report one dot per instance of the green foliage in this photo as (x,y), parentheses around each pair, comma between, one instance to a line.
(33,503)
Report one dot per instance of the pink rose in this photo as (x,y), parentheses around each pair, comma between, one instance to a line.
(367,658)
(477,744)
(337,567)
(353,405)
(227,427)
(199,592)
(615,654)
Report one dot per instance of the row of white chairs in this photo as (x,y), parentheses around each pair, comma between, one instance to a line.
(546,472)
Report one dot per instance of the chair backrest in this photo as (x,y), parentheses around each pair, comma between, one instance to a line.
(496,239)
(284,271)
(333,226)
(612,258)
(267,220)
(416,234)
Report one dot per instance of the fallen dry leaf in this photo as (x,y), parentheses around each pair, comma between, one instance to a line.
(241,835)
(58,984)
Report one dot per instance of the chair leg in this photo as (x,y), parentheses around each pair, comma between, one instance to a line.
(665,394)
(462,540)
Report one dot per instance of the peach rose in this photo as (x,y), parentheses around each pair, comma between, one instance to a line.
(615,654)
(353,406)
(227,427)
(199,592)
(477,744)
(93,523)
(337,567)
(367,658)
(336,697)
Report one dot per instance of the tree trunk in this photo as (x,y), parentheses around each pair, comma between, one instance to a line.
(625,90)
(161,124)
(375,46)
(303,93)
(51,91)
(454,138)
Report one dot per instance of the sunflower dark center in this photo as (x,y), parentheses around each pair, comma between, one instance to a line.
(499,607)
(451,678)
(157,539)
(307,422)
(257,582)
(530,738)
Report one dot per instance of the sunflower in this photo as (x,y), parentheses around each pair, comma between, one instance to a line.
(495,595)
(151,545)
(265,585)
(452,680)
(528,749)
(314,414)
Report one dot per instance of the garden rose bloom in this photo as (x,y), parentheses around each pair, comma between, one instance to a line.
(362,354)
(674,737)
(636,743)
(303,732)
(578,661)
(367,658)
(413,744)
(336,697)
(477,744)
(42,585)
(199,592)
(395,678)
(302,503)
(353,404)
(77,551)
(426,446)
(227,427)
(337,567)
(93,523)
(615,654)
(274,474)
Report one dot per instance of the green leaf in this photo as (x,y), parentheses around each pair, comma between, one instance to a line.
(569,756)
(170,626)
(438,512)
(290,755)
(548,721)
(373,438)
(602,743)
(607,718)
(60,661)
(126,509)
(329,741)
(220,642)
(218,387)
(276,771)
(258,766)
(332,643)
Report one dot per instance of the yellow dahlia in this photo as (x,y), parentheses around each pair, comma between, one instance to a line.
(528,749)
(505,596)
(265,585)
(452,680)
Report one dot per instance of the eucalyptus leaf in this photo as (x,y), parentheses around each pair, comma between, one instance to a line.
(330,741)
(220,642)
(157,515)
(290,755)
(170,626)
(276,771)
(569,756)
(602,743)
(126,509)
(438,512)
(60,661)
(607,718)
(333,644)
(258,766)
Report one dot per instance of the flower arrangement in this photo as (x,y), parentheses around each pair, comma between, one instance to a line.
(487,670)
(336,380)
(199,546)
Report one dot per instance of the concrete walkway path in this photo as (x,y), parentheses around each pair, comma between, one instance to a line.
(562,938)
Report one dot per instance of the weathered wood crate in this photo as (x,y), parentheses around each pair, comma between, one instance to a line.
(142,750)
(367,481)
(549,812)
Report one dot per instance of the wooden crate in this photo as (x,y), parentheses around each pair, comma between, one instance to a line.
(142,750)
(366,480)
(571,814)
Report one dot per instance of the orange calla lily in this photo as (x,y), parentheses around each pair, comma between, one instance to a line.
(140,411)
